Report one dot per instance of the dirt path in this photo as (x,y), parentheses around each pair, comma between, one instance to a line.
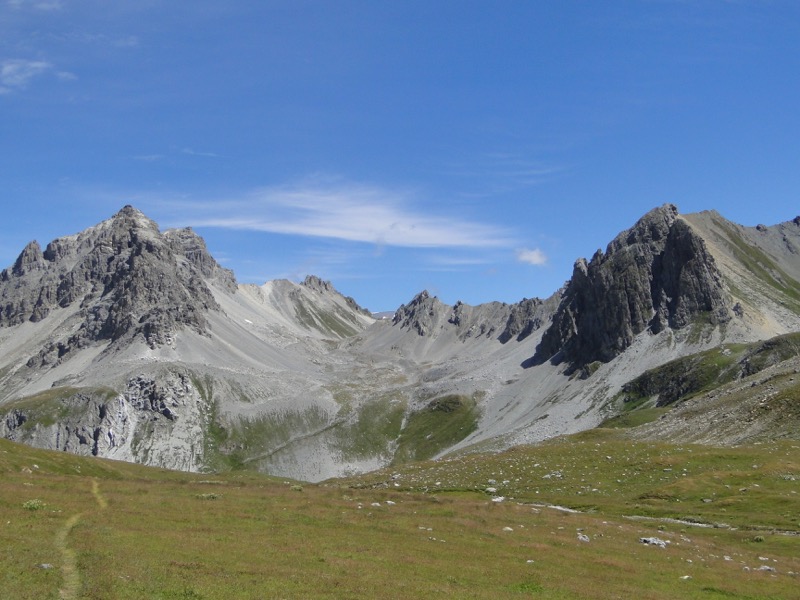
(101,500)
(69,560)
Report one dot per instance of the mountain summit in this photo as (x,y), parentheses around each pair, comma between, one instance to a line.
(122,279)
(132,343)
(656,275)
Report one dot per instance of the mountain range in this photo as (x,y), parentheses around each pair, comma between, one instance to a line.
(131,343)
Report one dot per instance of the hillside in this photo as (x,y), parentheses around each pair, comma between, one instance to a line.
(127,342)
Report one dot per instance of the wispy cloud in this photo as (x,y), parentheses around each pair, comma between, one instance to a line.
(532,257)
(459,261)
(16,73)
(500,172)
(96,39)
(345,211)
(44,5)
(192,152)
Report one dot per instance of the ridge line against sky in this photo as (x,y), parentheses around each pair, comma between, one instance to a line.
(472,149)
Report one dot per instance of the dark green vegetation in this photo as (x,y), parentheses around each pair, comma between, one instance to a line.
(381,427)
(103,529)
(444,422)
(690,375)
(56,404)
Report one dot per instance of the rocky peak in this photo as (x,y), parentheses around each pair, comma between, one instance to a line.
(185,242)
(649,232)
(420,314)
(321,286)
(128,279)
(317,284)
(657,274)
(30,258)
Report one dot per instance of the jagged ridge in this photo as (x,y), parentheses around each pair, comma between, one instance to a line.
(127,278)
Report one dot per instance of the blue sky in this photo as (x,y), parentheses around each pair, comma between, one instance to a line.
(471,148)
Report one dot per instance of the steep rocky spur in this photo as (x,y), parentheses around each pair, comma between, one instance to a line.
(657,275)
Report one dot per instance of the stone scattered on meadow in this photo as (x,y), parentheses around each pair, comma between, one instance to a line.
(654,541)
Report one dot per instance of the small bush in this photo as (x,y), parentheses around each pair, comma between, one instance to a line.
(34,504)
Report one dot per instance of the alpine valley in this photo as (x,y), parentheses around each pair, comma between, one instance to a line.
(131,343)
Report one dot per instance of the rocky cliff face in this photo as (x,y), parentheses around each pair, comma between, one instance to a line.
(657,274)
(159,421)
(126,277)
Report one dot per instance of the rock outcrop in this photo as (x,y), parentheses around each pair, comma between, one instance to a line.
(126,278)
(420,314)
(317,284)
(657,274)
(158,421)
(527,316)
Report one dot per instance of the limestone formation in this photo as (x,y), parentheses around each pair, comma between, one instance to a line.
(657,274)
(126,277)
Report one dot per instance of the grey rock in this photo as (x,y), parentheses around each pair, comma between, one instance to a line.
(419,314)
(654,541)
(321,286)
(30,259)
(657,274)
(158,420)
(128,279)
(526,317)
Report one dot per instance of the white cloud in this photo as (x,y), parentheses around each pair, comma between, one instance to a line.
(130,41)
(16,73)
(532,257)
(46,5)
(351,212)
(501,172)
(192,152)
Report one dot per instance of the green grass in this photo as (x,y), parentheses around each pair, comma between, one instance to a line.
(373,429)
(234,445)
(248,536)
(51,406)
(115,530)
(635,417)
(441,424)
(691,375)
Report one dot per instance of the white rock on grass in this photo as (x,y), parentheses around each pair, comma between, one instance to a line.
(654,541)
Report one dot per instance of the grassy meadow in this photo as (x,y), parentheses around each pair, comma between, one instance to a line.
(474,526)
